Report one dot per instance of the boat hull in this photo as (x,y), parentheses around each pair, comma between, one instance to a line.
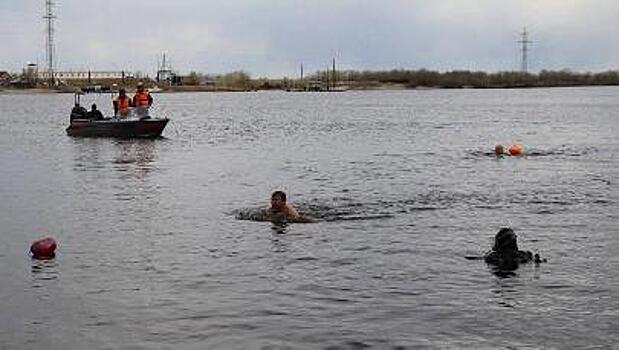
(145,128)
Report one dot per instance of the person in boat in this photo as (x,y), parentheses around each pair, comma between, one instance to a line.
(513,150)
(78,112)
(142,100)
(122,104)
(94,113)
(505,254)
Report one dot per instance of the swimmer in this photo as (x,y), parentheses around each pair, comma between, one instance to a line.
(279,205)
(513,150)
(282,211)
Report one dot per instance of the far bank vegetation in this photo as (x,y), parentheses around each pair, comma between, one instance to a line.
(410,79)
(468,79)
(350,79)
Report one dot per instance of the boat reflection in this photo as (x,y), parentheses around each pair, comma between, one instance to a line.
(135,158)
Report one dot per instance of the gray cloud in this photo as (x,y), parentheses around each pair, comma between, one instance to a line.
(269,37)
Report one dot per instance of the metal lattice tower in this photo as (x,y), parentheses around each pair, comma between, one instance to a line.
(524,42)
(50,47)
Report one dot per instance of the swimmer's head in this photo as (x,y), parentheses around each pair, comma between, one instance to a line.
(278,200)
(498,150)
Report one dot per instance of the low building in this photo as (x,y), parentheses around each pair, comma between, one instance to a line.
(84,75)
(316,85)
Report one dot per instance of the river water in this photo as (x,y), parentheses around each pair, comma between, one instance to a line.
(401,184)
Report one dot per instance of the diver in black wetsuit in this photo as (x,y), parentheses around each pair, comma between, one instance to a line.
(505,254)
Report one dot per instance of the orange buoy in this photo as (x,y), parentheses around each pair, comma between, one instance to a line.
(515,150)
(43,248)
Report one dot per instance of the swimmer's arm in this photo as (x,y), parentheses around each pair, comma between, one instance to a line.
(302,220)
(292,212)
(295,216)
(261,215)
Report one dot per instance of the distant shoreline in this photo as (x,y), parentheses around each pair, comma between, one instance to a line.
(381,87)
(396,79)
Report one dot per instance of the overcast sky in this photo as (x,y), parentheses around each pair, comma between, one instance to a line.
(273,37)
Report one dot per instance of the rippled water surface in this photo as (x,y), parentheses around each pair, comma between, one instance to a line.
(402,186)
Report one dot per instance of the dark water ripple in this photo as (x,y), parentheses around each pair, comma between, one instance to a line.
(401,186)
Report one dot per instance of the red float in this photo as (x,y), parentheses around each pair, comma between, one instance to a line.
(515,150)
(43,248)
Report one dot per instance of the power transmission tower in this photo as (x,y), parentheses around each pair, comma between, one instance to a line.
(49,48)
(524,42)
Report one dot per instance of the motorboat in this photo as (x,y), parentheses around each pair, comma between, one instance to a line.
(116,127)
(135,123)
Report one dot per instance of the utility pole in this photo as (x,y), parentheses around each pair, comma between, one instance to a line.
(49,48)
(327,83)
(524,42)
(302,83)
(334,79)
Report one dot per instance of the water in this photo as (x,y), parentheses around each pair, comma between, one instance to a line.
(402,188)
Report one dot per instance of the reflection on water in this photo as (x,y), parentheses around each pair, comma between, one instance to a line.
(507,291)
(503,272)
(89,154)
(132,157)
(43,271)
(135,157)
(279,227)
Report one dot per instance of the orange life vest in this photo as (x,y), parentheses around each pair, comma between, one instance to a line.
(123,103)
(141,99)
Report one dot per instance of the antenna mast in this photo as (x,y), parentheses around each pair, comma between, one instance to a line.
(524,42)
(49,48)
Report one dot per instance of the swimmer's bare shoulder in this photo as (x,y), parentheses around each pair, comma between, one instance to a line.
(291,211)
(295,216)
(289,214)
